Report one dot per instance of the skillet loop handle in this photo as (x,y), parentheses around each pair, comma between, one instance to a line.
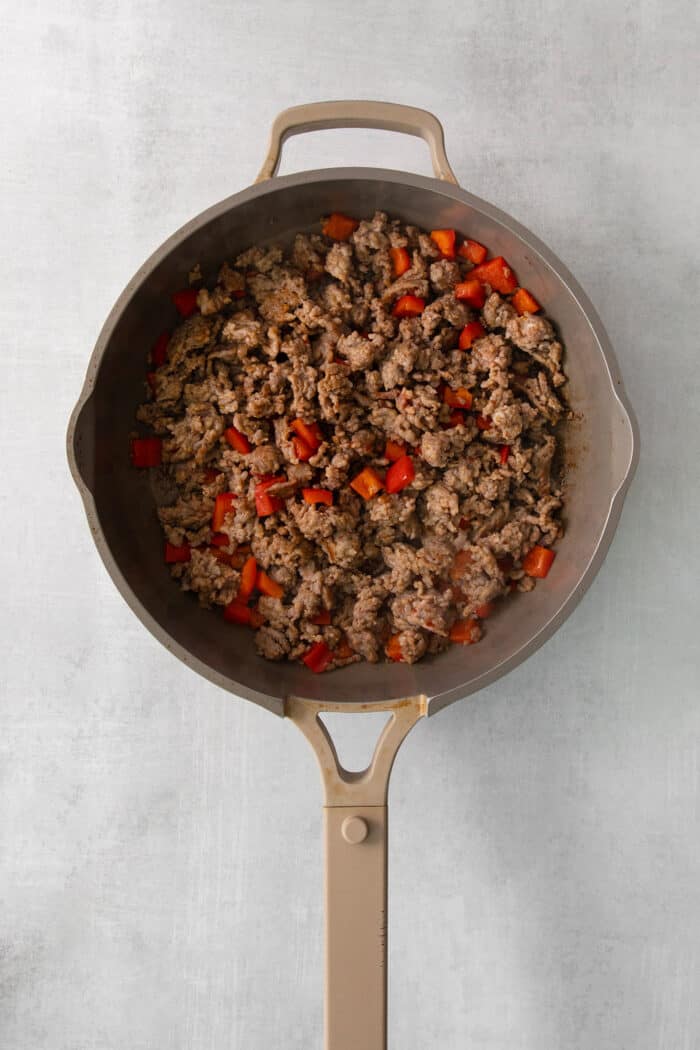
(389,116)
(355,831)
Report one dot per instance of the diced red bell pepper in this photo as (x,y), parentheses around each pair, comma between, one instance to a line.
(223,505)
(249,576)
(174,554)
(265,503)
(483,422)
(456,418)
(322,619)
(210,475)
(497,273)
(459,398)
(485,610)
(318,657)
(224,557)
(235,560)
(256,618)
(220,539)
(339,227)
(159,351)
(318,496)
(538,562)
(238,441)
(525,303)
(394,450)
(401,261)
(473,251)
(445,240)
(367,483)
(186,301)
(400,474)
(393,649)
(237,612)
(408,306)
(462,561)
(266,585)
(471,292)
(343,650)
(470,332)
(146,452)
(464,524)
(301,450)
(311,433)
(503,453)
(151,380)
(466,632)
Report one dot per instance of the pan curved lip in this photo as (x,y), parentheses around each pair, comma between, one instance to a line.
(629,447)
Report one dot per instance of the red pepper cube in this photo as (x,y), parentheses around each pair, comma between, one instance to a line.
(466,632)
(318,496)
(459,398)
(223,505)
(265,503)
(249,576)
(472,292)
(408,306)
(310,433)
(238,441)
(497,273)
(400,474)
(146,452)
(339,227)
(393,649)
(472,331)
(186,302)
(318,657)
(483,422)
(394,450)
(445,240)
(237,612)
(401,261)
(266,585)
(367,483)
(159,351)
(473,251)
(525,303)
(175,554)
(302,451)
(455,419)
(322,619)
(503,454)
(538,562)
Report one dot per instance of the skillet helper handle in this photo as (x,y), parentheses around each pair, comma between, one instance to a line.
(355,829)
(389,116)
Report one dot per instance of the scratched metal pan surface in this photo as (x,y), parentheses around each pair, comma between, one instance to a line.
(600,444)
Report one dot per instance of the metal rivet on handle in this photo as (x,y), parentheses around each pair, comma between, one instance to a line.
(354,830)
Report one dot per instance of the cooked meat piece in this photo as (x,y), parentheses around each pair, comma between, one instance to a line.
(497,312)
(382,508)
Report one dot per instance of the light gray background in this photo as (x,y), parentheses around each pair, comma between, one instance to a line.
(160,867)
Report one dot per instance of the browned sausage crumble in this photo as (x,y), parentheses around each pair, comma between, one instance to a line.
(284,341)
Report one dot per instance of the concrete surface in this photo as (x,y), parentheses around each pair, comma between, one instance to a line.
(160,854)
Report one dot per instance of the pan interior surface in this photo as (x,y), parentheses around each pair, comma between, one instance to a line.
(599,446)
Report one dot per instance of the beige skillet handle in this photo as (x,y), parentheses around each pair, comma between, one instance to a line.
(319,116)
(355,826)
